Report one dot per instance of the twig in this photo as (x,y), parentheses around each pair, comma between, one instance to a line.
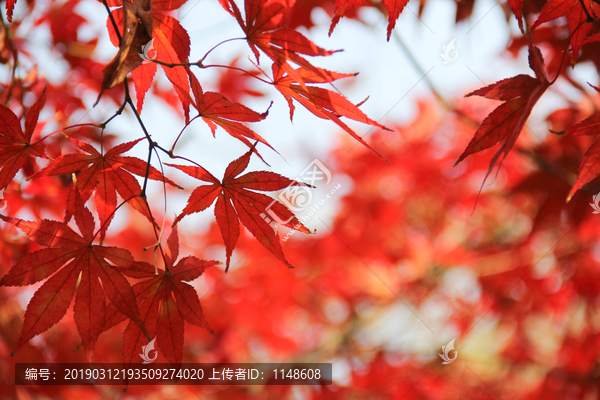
(112,20)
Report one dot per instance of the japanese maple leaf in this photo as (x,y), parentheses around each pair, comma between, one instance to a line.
(69,258)
(577,22)
(238,202)
(216,109)
(108,173)
(165,301)
(590,165)
(168,42)
(393,7)
(517,9)
(323,103)
(15,145)
(520,94)
(264,26)
(10,6)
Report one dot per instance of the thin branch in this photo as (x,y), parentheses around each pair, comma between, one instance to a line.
(119,112)
(565,52)
(64,129)
(112,20)
(111,215)
(158,244)
(237,69)
(181,133)
(151,145)
(589,17)
(200,65)
(217,45)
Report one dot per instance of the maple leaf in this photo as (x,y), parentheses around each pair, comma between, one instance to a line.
(520,94)
(393,7)
(15,145)
(10,6)
(590,164)
(142,78)
(171,45)
(216,109)
(553,9)
(517,8)
(136,32)
(578,27)
(264,26)
(577,22)
(238,202)
(69,257)
(321,102)
(165,301)
(108,173)
(341,8)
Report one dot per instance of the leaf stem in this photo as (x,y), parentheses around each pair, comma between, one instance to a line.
(200,65)
(151,146)
(237,69)
(111,215)
(64,129)
(217,45)
(181,133)
(562,60)
(119,112)
(589,17)
(112,20)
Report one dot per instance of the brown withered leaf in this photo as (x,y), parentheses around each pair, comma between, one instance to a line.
(137,32)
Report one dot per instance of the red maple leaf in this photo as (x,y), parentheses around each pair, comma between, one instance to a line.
(264,26)
(590,164)
(520,94)
(10,5)
(517,9)
(15,145)
(577,22)
(108,173)
(553,9)
(238,202)
(216,109)
(393,7)
(323,103)
(165,301)
(67,259)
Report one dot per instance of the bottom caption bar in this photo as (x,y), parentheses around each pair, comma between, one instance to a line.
(167,374)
